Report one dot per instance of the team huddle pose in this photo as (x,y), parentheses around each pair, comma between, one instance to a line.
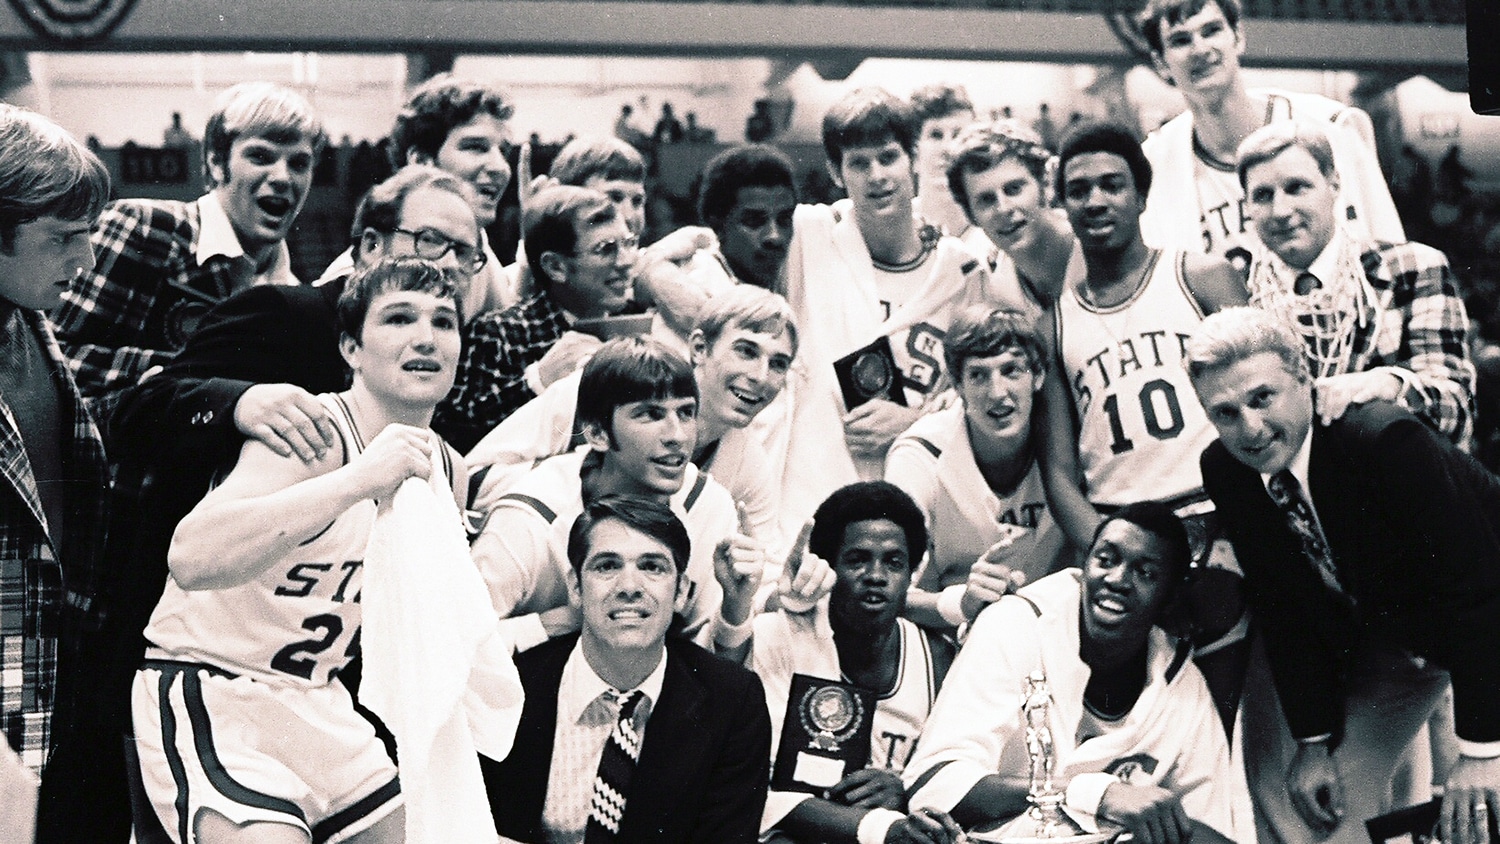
(1175,430)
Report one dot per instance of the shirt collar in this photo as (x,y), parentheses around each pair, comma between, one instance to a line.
(216,237)
(1299,464)
(580,686)
(1326,266)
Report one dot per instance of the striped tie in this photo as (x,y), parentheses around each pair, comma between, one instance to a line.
(612,783)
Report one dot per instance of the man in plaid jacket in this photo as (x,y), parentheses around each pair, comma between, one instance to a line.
(53,476)
(1380,320)
(162,264)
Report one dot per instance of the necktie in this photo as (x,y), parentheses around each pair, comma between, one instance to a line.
(1306,283)
(612,783)
(1287,493)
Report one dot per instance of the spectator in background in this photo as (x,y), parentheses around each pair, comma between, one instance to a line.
(176,136)
(161,264)
(698,134)
(759,127)
(668,128)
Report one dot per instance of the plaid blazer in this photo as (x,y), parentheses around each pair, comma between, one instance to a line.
(47,582)
(145,295)
(1423,328)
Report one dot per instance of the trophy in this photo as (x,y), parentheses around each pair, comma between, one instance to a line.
(1045,819)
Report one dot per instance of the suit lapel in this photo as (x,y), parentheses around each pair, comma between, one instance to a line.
(675,742)
(1338,497)
(16,466)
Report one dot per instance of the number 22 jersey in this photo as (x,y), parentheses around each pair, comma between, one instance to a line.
(1141,428)
(298,622)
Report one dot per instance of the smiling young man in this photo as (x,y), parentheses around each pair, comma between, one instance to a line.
(872,535)
(262,608)
(748,198)
(638,409)
(1137,741)
(630,733)
(998,175)
(54,482)
(1371,550)
(1380,320)
(742,352)
(581,252)
(1198,203)
(460,126)
(866,271)
(1120,424)
(972,469)
(162,264)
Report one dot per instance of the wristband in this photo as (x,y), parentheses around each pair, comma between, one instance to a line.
(876,824)
(728,635)
(1321,739)
(950,604)
(1086,791)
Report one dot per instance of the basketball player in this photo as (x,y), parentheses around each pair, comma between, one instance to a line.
(242,733)
(1198,203)
(973,471)
(872,535)
(1117,369)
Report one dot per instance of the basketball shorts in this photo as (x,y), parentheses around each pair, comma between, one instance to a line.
(257,752)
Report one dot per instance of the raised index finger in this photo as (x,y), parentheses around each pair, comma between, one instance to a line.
(794,559)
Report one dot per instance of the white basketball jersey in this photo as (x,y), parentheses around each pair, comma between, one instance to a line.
(899,716)
(298,622)
(1141,428)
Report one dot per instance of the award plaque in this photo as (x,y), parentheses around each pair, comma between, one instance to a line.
(824,736)
(870,373)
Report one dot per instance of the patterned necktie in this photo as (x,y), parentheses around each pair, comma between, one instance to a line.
(612,783)
(1287,493)
(1306,283)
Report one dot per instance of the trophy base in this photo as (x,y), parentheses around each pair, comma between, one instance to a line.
(1026,829)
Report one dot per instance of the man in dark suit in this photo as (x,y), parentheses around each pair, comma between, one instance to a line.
(696,725)
(251,369)
(1371,550)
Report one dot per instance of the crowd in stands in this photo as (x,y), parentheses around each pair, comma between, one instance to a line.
(1137,475)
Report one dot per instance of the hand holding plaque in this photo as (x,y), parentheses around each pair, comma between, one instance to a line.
(870,373)
(824,736)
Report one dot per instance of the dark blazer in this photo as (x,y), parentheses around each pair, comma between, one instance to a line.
(168,437)
(703,770)
(1414,527)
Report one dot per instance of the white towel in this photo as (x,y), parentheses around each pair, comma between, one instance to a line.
(437,670)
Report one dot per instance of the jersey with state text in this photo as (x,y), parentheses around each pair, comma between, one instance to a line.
(298,621)
(1221,203)
(900,713)
(1141,428)
(934,463)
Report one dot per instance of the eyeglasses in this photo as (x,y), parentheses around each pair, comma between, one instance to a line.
(434,246)
(610,250)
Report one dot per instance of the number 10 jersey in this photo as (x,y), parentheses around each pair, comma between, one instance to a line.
(1141,428)
(298,622)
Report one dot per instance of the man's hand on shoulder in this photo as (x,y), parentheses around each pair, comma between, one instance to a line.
(1336,393)
(1153,815)
(287,419)
(1471,799)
